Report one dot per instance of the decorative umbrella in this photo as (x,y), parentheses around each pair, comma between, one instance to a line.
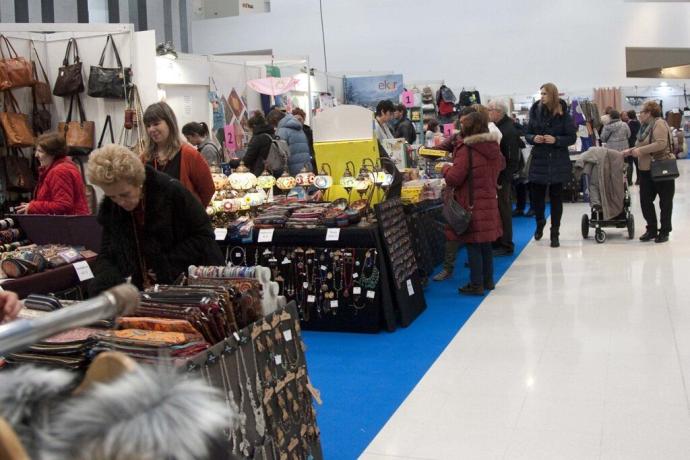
(273,86)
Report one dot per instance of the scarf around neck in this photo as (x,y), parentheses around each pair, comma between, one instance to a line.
(645,130)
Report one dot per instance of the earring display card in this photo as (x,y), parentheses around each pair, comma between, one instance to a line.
(426,232)
(262,371)
(404,270)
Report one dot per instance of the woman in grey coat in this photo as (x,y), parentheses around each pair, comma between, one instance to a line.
(616,133)
(289,129)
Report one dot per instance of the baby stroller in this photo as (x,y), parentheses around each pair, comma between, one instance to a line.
(609,196)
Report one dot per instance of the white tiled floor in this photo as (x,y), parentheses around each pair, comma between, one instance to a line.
(582,352)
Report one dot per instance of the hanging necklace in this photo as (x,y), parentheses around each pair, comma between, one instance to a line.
(256,408)
(369,281)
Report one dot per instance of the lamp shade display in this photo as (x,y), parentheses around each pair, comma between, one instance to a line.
(266,181)
(242,178)
(305,178)
(286,182)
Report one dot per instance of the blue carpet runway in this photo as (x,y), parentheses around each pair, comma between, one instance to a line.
(363,378)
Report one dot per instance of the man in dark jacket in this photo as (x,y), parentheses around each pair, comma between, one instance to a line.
(405,127)
(634,125)
(510,148)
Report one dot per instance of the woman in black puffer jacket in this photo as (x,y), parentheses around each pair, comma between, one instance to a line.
(551,131)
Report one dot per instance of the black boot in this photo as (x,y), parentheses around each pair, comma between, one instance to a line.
(539,232)
(649,235)
(554,238)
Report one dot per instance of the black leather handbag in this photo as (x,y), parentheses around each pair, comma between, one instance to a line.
(457,217)
(69,80)
(663,170)
(108,82)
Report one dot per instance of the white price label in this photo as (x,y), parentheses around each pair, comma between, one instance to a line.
(83,270)
(355,276)
(305,285)
(278,359)
(357,290)
(287,334)
(236,335)
(286,261)
(221,234)
(311,299)
(324,268)
(334,304)
(410,289)
(333,234)
(266,235)
(371,294)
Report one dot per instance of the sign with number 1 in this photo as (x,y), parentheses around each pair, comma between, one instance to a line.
(408,99)
(448,129)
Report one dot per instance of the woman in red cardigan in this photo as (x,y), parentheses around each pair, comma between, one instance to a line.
(60,188)
(168,154)
(485,225)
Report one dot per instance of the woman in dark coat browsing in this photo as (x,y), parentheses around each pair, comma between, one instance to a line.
(153,227)
(485,226)
(551,131)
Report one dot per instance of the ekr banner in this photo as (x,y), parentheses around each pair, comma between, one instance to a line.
(368,91)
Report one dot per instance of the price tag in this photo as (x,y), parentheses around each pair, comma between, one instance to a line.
(83,270)
(448,129)
(221,234)
(371,294)
(334,304)
(408,99)
(333,234)
(266,235)
(305,285)
(355,276)
(286,261)
(287,335)
(278,360)
(324,268)
(357,290)
(410,289)
(238,254)
(311,299)
(236,335)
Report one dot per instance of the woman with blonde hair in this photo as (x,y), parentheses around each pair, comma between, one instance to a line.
(551,131)
(153,227)
(653,143)
(166,153)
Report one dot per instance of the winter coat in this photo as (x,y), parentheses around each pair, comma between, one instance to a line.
(655,145)
(634,126)
(290,130)
(616,135)
(487,163)
(258,148)
(550,163)
(606,168)
(510,147)
(406,130)
(211,152)
(177,233)
(382,132)
(60,191)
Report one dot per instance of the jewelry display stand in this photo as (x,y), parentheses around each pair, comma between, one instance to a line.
(404,271)
(262,370)
(427,234)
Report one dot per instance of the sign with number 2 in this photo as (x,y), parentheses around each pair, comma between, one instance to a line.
(230,138)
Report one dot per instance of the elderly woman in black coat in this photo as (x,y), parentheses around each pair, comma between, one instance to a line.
(551,130)
(153,227)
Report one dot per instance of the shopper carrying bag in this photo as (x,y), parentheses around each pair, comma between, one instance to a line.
(70,80)
(15,71)
(15,124)
(79,135)
(109,82)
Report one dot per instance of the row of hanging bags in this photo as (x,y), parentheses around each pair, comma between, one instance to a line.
(15,70)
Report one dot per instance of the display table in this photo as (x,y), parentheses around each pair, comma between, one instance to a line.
(70,230)
(52,281)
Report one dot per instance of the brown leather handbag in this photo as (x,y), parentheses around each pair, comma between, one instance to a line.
(15,124)
(15,71)
(69,80)
(18,172)
(79,135)
(41,87)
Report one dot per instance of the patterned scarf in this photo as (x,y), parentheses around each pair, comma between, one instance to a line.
(645,130)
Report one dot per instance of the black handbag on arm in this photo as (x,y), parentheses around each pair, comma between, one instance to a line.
(108,82)
(663,170)
(457,217)
(69,80)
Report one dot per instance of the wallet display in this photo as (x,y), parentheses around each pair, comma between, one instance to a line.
(68,350)
(30,259)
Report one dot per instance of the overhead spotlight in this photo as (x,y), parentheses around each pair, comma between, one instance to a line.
(166,50)
(663,83)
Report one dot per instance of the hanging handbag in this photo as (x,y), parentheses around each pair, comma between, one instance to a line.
(18,174)
(41,88)
(108,124)
(79,135)
(131,134)
(69,80)
(457,217)
(109,82)
(15,71)
(40,116)
(15,124)
(666,169)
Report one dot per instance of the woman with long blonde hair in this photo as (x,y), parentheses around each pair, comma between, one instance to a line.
(167,153)
(551,131)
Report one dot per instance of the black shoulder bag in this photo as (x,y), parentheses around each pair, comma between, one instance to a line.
(108,82)
(457,217)
(663,170)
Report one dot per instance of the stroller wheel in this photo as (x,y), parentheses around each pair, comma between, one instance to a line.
(631,226)
(600,236)
(585,226)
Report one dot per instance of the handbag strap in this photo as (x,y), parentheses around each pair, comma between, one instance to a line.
(11,52)
(43,70)
(82,115)
(71,45)
(117,55)
(11,103)
(108,124)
